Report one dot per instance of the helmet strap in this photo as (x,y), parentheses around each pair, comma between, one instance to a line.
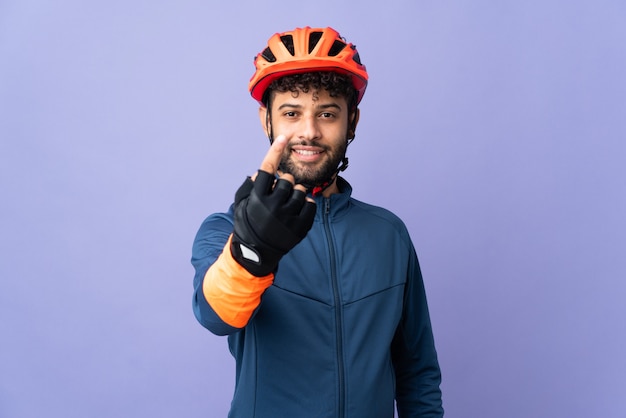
(268,124)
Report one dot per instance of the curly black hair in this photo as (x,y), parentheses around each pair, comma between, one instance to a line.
(336,84)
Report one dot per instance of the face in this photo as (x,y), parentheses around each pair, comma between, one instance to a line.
(316,126)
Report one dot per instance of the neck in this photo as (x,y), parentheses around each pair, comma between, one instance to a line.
(326,189)
(332,189)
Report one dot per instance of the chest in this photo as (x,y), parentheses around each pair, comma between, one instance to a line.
(343,262)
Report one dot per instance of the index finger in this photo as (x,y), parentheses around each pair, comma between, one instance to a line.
(274,154)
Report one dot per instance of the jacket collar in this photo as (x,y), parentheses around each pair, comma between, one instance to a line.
(336,204)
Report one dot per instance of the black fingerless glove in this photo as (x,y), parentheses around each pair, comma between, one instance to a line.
(270,219)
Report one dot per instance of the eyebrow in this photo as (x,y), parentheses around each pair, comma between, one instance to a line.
(322,106)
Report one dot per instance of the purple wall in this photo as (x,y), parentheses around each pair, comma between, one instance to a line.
(496,130)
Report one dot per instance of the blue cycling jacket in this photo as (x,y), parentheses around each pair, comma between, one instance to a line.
(343,330)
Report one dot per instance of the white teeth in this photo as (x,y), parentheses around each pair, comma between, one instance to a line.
(304,152)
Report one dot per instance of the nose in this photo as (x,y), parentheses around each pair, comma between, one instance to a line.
(309,128)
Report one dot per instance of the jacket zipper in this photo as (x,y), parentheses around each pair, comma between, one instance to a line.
(338,312)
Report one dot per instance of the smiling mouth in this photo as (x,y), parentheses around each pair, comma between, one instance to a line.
(306,153)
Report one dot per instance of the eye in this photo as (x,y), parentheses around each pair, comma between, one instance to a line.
(290,114)
(327,115)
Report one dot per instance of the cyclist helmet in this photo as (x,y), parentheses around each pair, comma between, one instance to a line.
(304,50)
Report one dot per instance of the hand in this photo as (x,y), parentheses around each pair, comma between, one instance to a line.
(271,216)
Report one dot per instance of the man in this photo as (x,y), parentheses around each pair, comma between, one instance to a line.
(321,295)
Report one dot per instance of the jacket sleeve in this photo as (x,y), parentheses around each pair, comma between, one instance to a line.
(413,352)
(225,294)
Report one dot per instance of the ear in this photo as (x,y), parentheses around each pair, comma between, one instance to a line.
(352,122)
(265,120)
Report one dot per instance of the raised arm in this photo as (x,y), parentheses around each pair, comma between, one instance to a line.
(270,217)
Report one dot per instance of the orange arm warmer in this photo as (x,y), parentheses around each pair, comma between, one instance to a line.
(232,291)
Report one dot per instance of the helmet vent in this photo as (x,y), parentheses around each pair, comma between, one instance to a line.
(268,55)
(288,42)
(314,38)
(356,56)
(337,47)
(304,50)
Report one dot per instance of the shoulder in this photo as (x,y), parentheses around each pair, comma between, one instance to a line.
(213,234)
(219,220)
(381,214)
(361,208)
